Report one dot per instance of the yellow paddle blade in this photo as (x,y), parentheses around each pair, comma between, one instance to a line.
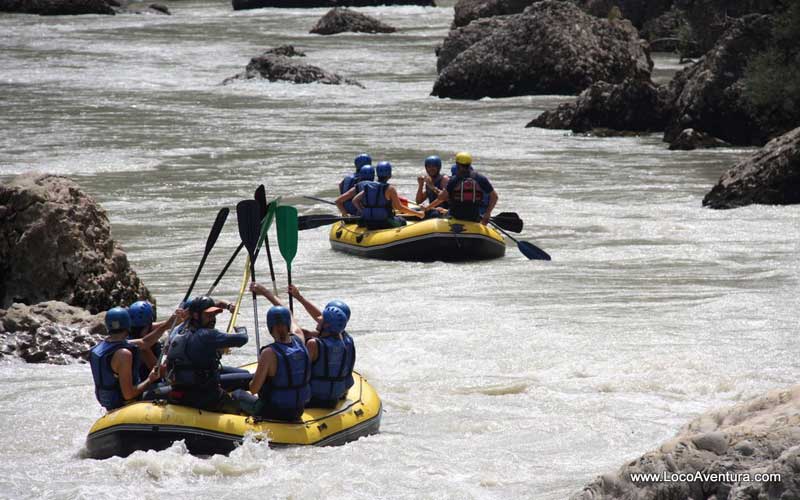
(242,290)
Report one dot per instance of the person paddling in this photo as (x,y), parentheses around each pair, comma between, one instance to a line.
(431,185)
(143,316)
(350,180)
(115,363)
(378,201)
(470,194)
(345,201)
(193,357)
(282,378)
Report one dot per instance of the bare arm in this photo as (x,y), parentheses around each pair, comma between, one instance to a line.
(159,329)
(443,197)
(492,202)
(420,189)
(340,201)
(399,207)
(313,350)
(265,369)
(122,364)
(310,308)
(357,201)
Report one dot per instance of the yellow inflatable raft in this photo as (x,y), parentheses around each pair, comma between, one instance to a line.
(155,425)
(426,240)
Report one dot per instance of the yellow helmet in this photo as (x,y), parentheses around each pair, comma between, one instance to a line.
(464,158)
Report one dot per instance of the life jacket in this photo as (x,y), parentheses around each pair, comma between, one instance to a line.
(376,206)
(348,182)
(329,372)
(289,389)
(106,383)
(467,199)
(182,370)
(437,181)
(351,358)
(137,333)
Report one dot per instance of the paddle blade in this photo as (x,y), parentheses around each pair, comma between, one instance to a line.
(261,197)
(508,221)
(311,221)
(273,205)
(222,216)
(248,216)
(286,218)
(531,251)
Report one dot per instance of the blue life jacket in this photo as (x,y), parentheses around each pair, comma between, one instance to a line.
(376,206)
(348,183)
(329,372)
(289,389)
(431,195)
(351,358)
(106,384)
(183,370)
(140,332)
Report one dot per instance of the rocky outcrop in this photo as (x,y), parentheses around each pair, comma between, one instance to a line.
(761,435)
(635,105)
(55,244)
(49,332)
(340,20)
(769,177)
(551,48)
(664,33)
(309,4)
(57,7)
(709,95)
(467,11)
(690,139)
(286,50)
(272,65)
(708,20)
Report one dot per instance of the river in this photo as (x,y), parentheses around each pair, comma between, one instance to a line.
(506,379)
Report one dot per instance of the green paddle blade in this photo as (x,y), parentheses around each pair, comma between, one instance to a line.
(286,218)
(271,208)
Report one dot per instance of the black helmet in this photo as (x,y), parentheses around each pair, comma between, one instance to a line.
(202,303)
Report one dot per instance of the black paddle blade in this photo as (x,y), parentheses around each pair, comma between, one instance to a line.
(261,197)
(508,221)
(222,216)
(311,221)
(248,215)
(531,251)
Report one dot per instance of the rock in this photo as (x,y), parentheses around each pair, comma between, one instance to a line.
(708,20)
(551,48)
(275,67)
(55,244)
(49,332)
(467,11)
(769,177)
(690,139)
(310,4)
(286,50)
(340,20)
(57,7)
(160,7)
(633,106)
(709,96)
(664,32)
(770,427)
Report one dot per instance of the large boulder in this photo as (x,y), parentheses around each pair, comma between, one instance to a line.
(756,436)
(635,105)
(57,7)
(340,20)
(55,244)
(49,332)
(467,11)
(274,66)
(708,20)
(690,139)
(309,4)
(769,177)
(709,95)
(551,48)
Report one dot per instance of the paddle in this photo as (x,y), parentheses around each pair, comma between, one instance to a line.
(261,198)
(286,217)
(311,221)
(529,250)
(248,215)
(222,216)
(320,200)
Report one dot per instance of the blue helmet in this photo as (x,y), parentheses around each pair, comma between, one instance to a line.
(433,161)
(384,170)
(278,315)
(341,305)
(334,320)
(141,313)
(453,169)
(366,173)
(362,159)
(118,319)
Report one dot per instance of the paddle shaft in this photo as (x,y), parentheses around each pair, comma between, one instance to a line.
(255,304)
(225,269)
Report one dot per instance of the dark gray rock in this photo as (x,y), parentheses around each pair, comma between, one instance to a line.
(633,106)
(309,4)
(769,177)
(275,67)
(467,11)
(55,244)
(49,332)
(768,426)
(57,7)
(708,20)
(286,50)
(160,7)
(709,95)
(551,48)
(690,139)
(340,20)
